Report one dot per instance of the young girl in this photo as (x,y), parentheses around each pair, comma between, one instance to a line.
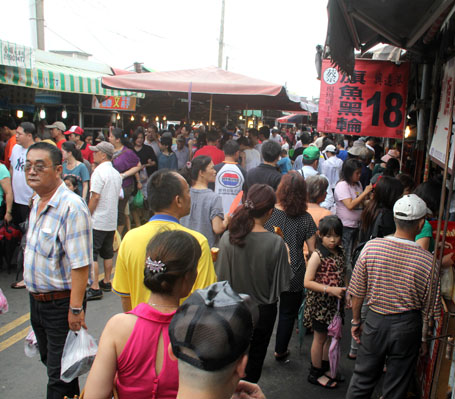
(71,183)
(206,215)
(167,158)
(325,280)
(133,351)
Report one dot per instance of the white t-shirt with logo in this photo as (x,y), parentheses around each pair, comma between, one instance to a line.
(229,182)
(21,190)
(106,182)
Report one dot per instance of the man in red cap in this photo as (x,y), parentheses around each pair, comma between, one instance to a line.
(75,134)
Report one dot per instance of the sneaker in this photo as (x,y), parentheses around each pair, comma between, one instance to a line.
(92,294)
(107,287)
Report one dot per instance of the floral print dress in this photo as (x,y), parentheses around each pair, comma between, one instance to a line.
(322,307)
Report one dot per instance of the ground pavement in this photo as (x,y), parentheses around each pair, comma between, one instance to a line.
(23,377)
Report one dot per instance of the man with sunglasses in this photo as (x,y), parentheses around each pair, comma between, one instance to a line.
(57,259)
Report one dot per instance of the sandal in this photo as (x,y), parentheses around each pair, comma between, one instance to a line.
(17,285)
(283,356)
(316,374)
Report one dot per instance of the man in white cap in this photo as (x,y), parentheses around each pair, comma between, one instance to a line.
(331,167)
(105,186)
(393,275)
(57,129)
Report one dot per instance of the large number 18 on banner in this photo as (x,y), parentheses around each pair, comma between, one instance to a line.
(372,102)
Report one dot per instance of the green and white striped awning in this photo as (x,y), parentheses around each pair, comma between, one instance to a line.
(60,78)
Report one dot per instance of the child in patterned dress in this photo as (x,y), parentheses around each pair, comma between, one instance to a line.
(325,280)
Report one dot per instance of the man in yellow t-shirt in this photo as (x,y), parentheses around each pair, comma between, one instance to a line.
(169,197)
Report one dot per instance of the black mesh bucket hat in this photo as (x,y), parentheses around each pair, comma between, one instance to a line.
(213,327)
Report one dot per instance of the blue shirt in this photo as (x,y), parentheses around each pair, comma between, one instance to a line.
(342,154)
(167,161)
(285,165)
(59,239)
(80,172)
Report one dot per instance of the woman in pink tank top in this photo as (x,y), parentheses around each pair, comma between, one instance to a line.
(133,355)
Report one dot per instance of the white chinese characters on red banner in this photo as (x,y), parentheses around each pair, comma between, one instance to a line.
(372,102)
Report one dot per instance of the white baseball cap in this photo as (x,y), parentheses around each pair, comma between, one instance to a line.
(330,148)
(410,207)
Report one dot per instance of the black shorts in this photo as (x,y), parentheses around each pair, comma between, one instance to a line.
(102,244)
(319,326)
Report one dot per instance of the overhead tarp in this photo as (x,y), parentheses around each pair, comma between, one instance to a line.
(226,88)
(361,24)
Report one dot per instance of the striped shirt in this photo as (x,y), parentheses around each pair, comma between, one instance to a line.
(58,240)
(394,275)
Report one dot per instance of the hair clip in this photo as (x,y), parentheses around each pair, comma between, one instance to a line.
(155,266)
(248,204)
(188,165)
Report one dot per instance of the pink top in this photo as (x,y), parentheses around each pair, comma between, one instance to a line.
(343,190)
(136,364)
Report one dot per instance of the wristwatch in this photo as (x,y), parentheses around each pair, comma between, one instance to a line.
(76,311)
(355,324)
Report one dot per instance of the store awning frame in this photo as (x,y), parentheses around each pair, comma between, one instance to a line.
(59,78)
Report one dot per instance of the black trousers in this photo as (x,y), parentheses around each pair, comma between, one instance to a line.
(396,338)
(289,308)
(260,342)
(50,323)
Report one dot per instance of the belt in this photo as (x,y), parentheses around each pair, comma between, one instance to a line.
(51,296)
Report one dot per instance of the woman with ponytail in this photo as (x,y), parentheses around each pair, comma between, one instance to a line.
(255,262)
(206,215)
(134,345)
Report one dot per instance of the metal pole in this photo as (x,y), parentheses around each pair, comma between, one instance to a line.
(221,38)
(79,110)
(210,111)
(423,99)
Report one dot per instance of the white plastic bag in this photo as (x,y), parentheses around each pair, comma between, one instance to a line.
(3,303)
(78,354)
(30,344)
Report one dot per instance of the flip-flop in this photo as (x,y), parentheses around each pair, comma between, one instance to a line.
(16,286)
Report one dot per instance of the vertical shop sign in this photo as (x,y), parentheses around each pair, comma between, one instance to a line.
(372,102)
(439,142)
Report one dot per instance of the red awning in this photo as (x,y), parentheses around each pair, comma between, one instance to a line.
(294,118)
(228,88)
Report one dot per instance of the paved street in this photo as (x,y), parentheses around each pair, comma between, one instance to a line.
(22,377)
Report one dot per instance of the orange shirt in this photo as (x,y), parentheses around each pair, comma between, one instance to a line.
(8,149)
(60,143)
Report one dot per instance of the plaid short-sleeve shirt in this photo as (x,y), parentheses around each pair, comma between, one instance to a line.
(58,240)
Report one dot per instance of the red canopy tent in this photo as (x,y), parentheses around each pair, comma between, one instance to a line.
(217,85)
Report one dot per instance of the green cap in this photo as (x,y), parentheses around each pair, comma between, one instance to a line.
(311,153)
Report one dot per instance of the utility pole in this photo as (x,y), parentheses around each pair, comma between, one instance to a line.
(221,39)
(227,62)
(37,23)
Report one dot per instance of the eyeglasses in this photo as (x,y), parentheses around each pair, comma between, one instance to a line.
(38,168)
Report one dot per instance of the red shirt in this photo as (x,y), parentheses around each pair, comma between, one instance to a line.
(87,153)
(60,143)
(211,151)
(8,148)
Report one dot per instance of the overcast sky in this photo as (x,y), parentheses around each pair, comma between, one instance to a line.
(266,39)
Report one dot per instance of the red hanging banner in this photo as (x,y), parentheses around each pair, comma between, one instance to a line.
(370,103)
